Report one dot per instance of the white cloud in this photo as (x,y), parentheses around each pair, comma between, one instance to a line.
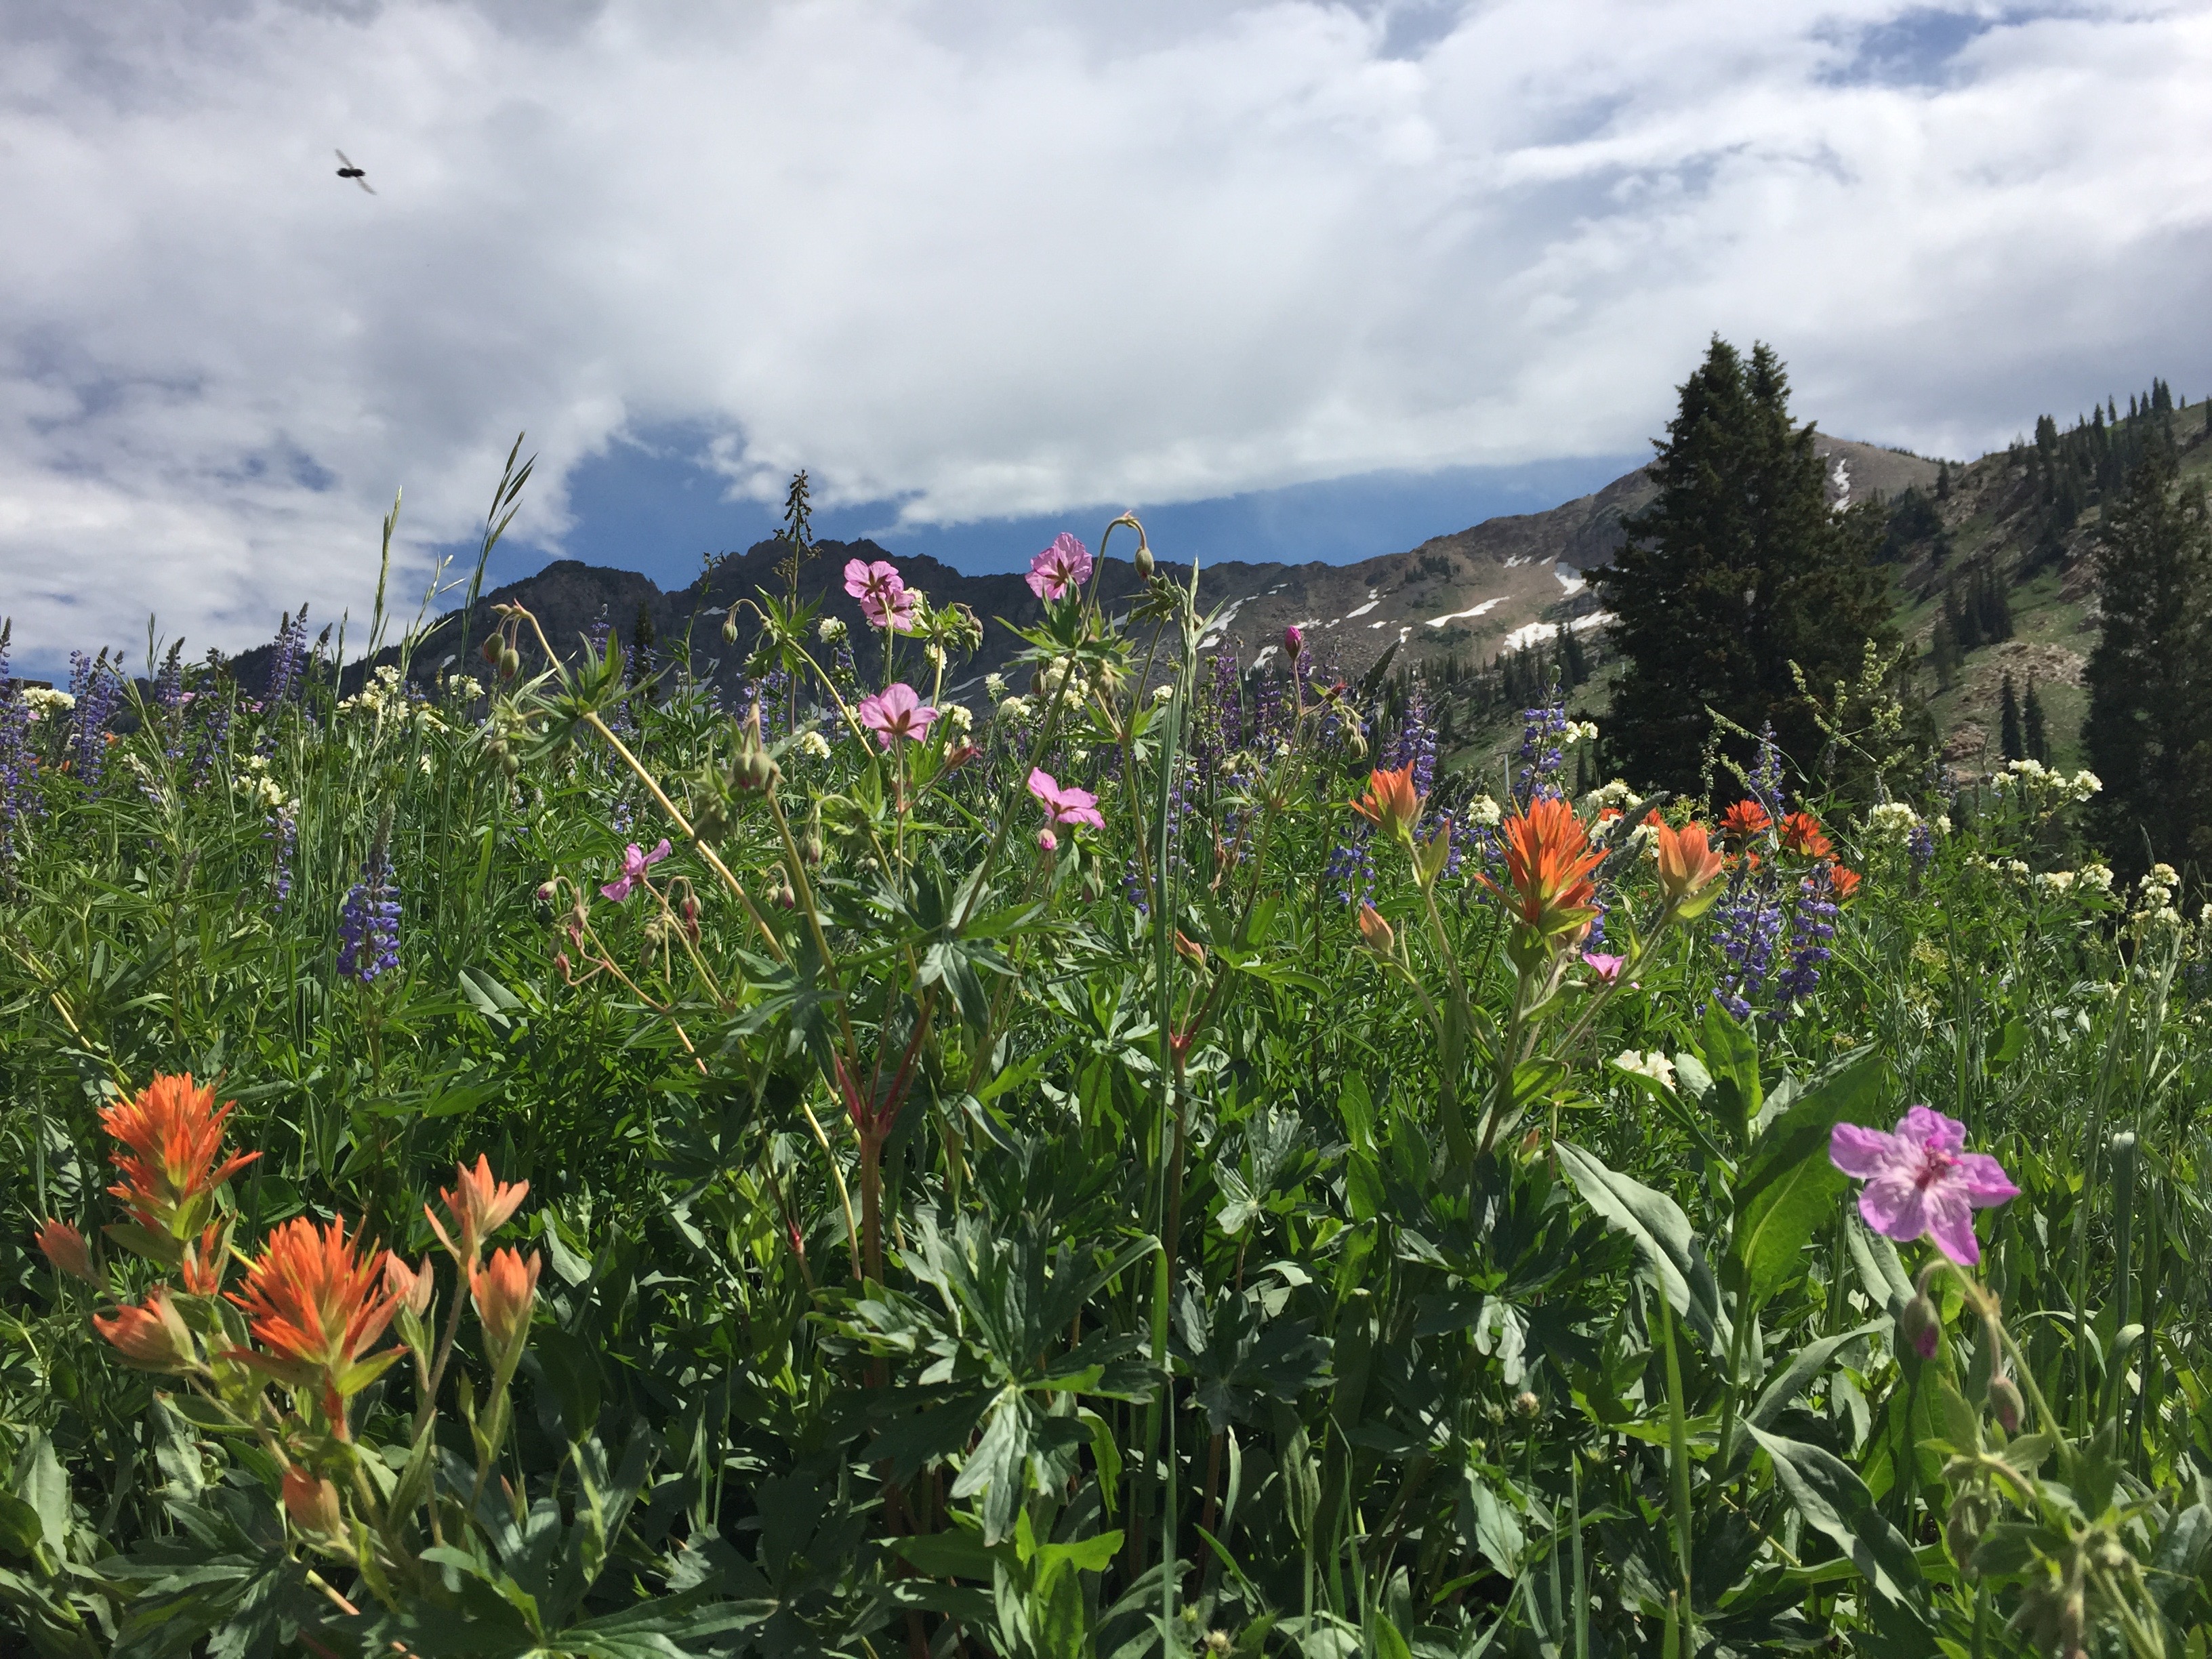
(993,258)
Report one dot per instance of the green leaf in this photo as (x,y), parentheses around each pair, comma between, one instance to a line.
(1661,1232)
(1835,1502)
(19,1528)
(1788,1188)
(1057,1624)
(957,1553)
(1389,1643)
(1731,1054)
(41,1483)
(1807,1363)
(1092,1554)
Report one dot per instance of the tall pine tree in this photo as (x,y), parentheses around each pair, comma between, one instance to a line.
(2009,742)
(1735,571)
(2038,740)
(2149,729)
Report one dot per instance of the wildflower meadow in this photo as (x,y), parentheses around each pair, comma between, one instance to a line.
(536,1154)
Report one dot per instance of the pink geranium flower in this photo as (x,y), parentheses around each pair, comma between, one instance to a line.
(635,865)
(1064,565)
(896,712)
(1606,967)
(882,592)
(1063,804)
(1920,1183)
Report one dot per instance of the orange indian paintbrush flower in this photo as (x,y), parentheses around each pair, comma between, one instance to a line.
(480,1205)
(173,1134)
(1742,821)
(504,1288)
(1687,865)
(312,1503)
(411,1287)
(63,1246)
(1548,859)
(1800,833)
(150,1337)
(1390,804)
(204,1260)
(1375,932)
(312,1299)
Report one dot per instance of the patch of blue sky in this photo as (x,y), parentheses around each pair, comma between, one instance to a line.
(653,507)
(1916,48)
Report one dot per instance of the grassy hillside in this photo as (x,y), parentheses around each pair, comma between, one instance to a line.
(1987,522)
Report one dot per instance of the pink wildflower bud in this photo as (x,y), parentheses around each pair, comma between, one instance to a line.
(545,893)
(560,963)
(1921,1326)
(1294,642)
(1046,841)
(2005,1403)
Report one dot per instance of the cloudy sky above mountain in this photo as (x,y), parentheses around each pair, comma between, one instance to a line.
(1316,272)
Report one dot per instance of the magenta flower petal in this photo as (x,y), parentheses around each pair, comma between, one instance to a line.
(1063,566)
(1894,1207)
(896,712)
(1983,1180)
(1864,1153)
(617,891)
(1951,1225)
(1921,1181)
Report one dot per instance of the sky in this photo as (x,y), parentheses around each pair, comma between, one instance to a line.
(1293,280)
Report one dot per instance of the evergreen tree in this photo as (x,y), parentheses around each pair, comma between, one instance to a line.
(1736,570)
(2036,738)
(1943,651)
(2149,727)
(640,644)
(1574,665)
(2008,738)
(1943,481)
(1965,621)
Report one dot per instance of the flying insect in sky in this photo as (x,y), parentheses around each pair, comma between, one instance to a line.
(347,170)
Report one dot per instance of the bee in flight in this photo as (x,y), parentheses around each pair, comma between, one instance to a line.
(347,170)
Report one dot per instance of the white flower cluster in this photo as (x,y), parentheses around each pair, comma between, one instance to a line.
(1654,1066)
(386,693)
(1485,812)
(958,717)
(832,630)
(462,688)
(2039,789)
(1891,821)
(1578,731)
(2056,881)
(1059,673)
(43,700)
(2154,901)
(1162,696)
(995,687)
(255,785)
(1615,793)
(1012,709)
(2096,877)
(814,743)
